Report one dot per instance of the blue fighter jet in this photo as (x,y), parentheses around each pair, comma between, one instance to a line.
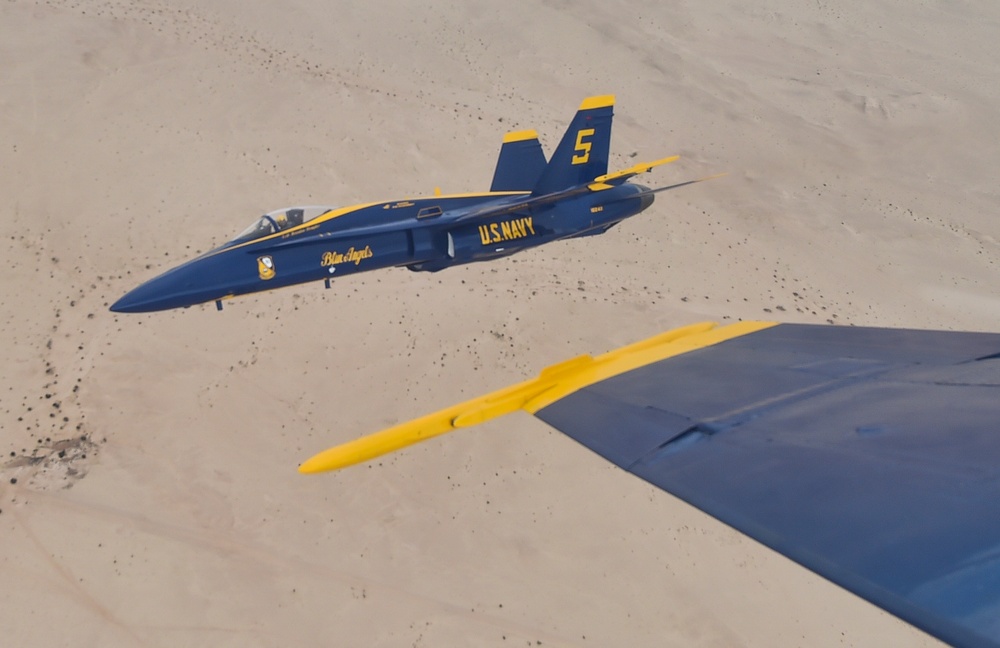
(531,202)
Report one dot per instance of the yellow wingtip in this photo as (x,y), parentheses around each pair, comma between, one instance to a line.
(599,101)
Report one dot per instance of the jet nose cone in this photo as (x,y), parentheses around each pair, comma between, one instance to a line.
(124,305)
(172,289)
(151,296)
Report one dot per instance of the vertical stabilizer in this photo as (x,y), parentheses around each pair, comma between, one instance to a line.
(520,164)
(582,155)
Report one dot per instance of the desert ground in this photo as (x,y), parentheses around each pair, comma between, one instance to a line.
(148,486)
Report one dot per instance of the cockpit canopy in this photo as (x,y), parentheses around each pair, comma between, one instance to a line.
(280,220)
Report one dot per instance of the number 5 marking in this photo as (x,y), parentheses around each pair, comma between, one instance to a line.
(583,148)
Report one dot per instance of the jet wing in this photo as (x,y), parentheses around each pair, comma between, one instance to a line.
(869,455)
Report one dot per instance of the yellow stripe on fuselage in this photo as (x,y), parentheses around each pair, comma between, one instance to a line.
(335,213)
(480,194)
(330,215)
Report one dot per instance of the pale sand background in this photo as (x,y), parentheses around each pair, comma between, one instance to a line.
(861,139)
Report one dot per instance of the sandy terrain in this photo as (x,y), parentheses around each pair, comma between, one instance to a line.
(149,495)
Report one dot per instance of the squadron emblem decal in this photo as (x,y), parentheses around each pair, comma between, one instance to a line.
(265,267)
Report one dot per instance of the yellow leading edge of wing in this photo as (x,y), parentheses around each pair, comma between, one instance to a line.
(553,383)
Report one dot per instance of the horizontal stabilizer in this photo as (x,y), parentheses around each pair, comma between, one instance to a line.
(648,192)
(619,177)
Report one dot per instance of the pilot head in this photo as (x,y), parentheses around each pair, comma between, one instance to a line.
(295,216)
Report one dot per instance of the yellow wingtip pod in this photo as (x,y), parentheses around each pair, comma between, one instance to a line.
(380,443)
(553,383)
(519,136)
(600,101)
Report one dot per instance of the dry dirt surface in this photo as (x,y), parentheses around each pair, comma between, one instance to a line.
(148,485)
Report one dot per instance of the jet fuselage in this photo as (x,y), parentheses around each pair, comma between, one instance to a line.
(424,234)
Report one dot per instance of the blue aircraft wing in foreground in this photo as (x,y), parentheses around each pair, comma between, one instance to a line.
(531,202)
(869,455)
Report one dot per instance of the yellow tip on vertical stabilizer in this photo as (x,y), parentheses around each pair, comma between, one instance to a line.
(520,136)
(600,101)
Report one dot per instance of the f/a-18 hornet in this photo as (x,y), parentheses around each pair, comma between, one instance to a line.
(531,202)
